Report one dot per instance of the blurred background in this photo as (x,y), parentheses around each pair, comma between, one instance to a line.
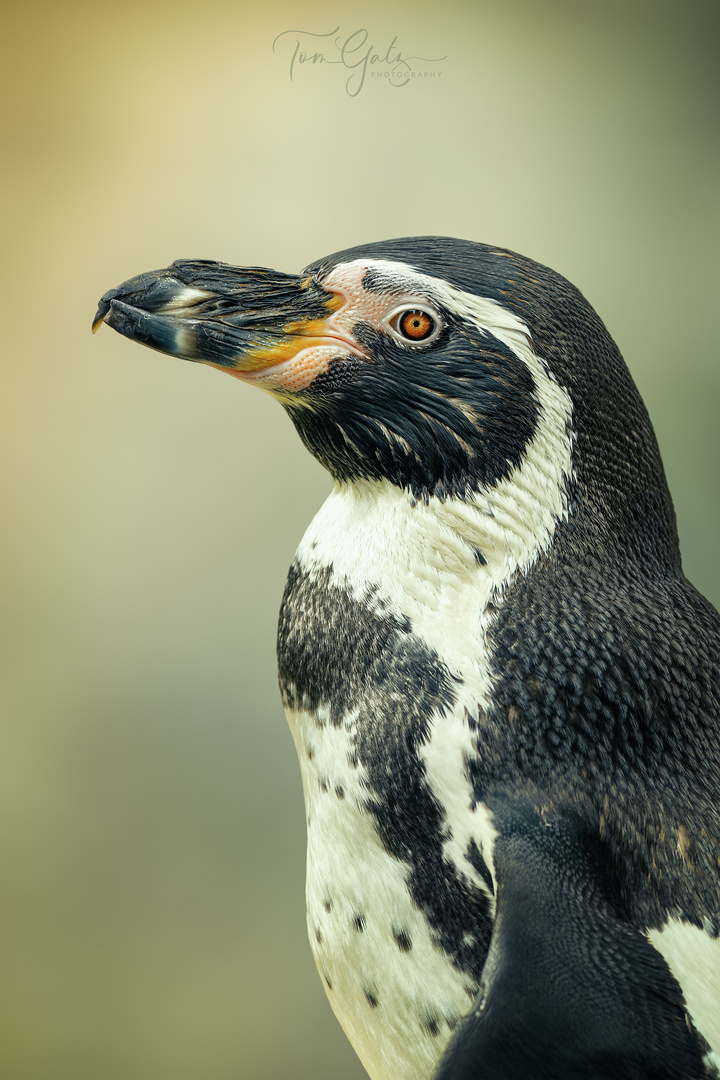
(152,837)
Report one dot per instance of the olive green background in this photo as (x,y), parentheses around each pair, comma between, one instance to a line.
(152,825)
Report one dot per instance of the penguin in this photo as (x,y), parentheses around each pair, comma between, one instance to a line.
(503,691)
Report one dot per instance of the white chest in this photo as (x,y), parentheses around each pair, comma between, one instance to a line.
(392,987)
(391,982)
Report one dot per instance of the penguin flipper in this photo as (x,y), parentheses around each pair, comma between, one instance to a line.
(569,990)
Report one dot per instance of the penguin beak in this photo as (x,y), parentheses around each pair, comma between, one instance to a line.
(259,325)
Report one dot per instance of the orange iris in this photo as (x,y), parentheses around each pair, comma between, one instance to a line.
(415,325)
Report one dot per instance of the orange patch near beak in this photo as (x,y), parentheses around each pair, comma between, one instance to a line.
(305,350)
(262,357)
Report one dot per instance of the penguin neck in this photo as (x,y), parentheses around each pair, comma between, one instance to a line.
(440,562)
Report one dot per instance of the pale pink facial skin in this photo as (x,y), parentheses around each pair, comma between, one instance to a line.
(333,339)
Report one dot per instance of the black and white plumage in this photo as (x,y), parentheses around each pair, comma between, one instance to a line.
(502,689)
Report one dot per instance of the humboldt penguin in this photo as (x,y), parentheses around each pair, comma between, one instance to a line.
(503,691)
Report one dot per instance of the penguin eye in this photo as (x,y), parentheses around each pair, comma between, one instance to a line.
(414,324)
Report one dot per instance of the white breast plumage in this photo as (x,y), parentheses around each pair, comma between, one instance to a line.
(392,987)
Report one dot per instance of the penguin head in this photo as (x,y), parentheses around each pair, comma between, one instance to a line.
(444,367)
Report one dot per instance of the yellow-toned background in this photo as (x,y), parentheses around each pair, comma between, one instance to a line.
(152,828)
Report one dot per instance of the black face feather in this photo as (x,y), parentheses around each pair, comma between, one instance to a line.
(443,421)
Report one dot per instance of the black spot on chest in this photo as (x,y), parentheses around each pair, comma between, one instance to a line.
(332,650)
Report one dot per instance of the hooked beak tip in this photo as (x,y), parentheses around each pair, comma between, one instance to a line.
(102,311)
